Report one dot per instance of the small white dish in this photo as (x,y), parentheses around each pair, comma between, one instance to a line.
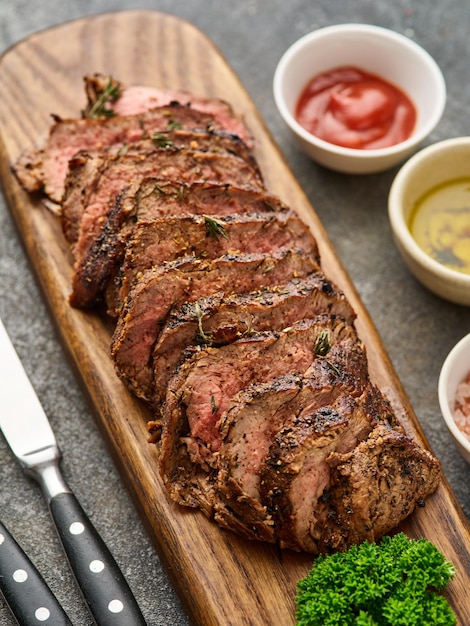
(376,50)
(437,164)
(454,370)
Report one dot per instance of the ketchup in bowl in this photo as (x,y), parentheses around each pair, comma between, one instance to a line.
(354,109)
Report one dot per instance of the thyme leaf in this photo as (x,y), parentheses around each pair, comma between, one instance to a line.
(161,140)
(214,407)
(215,228)
(322,344)
(201,335)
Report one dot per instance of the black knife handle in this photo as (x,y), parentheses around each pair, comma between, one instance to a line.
(102,583)
(25,591)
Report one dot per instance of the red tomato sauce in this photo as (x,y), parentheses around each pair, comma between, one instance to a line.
(354,109)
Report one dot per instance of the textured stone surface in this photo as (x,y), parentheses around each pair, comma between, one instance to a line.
(417,328)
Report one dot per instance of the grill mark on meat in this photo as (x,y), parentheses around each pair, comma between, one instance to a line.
(162,288)
(218,321)
(103,178)
(298,463)
(252,417)
(150,200)
(206,382)
(271,425)
(154,243)
(375,486)
(45,168)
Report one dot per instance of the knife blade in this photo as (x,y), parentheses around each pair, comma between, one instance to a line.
(25,591)
(27,431)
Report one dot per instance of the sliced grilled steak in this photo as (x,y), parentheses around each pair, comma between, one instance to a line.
(94,181)
(187,280)
(241,499)
(46,168)
(205,383)
(137,99)
(216,320)
(247,428)
(206,237)
(146,201)
(298,463)
(374,487)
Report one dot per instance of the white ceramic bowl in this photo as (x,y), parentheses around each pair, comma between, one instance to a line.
(373,49)
(439,163)
(454,371)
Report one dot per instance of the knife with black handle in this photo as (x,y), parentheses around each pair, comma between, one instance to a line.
(25,591)
(27,431)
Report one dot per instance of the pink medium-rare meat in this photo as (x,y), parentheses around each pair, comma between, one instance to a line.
(186,280)
(216,320)
(303,467)
(45,168)
(338,424)
(205,383)
(110,176)
(136,99)
(252,417)
(210,237)
(165,239)
(146,201)
(226,325)
(95,179)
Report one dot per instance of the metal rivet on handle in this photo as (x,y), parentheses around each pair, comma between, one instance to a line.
(76,528)
(20,575)
(115,606)
(42,614)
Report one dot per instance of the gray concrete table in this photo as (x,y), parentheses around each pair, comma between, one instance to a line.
(417,328)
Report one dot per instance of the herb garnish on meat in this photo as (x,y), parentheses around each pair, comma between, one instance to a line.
(110,93)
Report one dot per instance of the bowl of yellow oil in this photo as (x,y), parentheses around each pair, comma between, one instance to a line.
(429,211)
(440,224)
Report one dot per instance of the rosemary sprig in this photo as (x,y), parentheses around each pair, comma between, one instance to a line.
(110,93)
(215,228)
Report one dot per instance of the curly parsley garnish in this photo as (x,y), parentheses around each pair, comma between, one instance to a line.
(391,583)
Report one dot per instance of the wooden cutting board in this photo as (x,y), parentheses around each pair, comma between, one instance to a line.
(221,579)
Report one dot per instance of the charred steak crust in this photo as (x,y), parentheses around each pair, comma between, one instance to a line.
(94,181)
(146,201)
(217,321)
(45,168)
(162,288)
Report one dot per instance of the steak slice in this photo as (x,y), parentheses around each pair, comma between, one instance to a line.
(207,237)
(297,470)
(186,280)
(94,180)
(45,169)
(251,420)
(146,201)
(205,383)
(216,320)
(138,99)
(374,487)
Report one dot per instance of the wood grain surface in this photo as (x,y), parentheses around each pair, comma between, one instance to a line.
(221,579)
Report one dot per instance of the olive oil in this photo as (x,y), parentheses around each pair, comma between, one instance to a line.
(440,224)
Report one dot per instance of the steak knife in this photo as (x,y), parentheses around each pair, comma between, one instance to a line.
(27,431)
(24,589)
